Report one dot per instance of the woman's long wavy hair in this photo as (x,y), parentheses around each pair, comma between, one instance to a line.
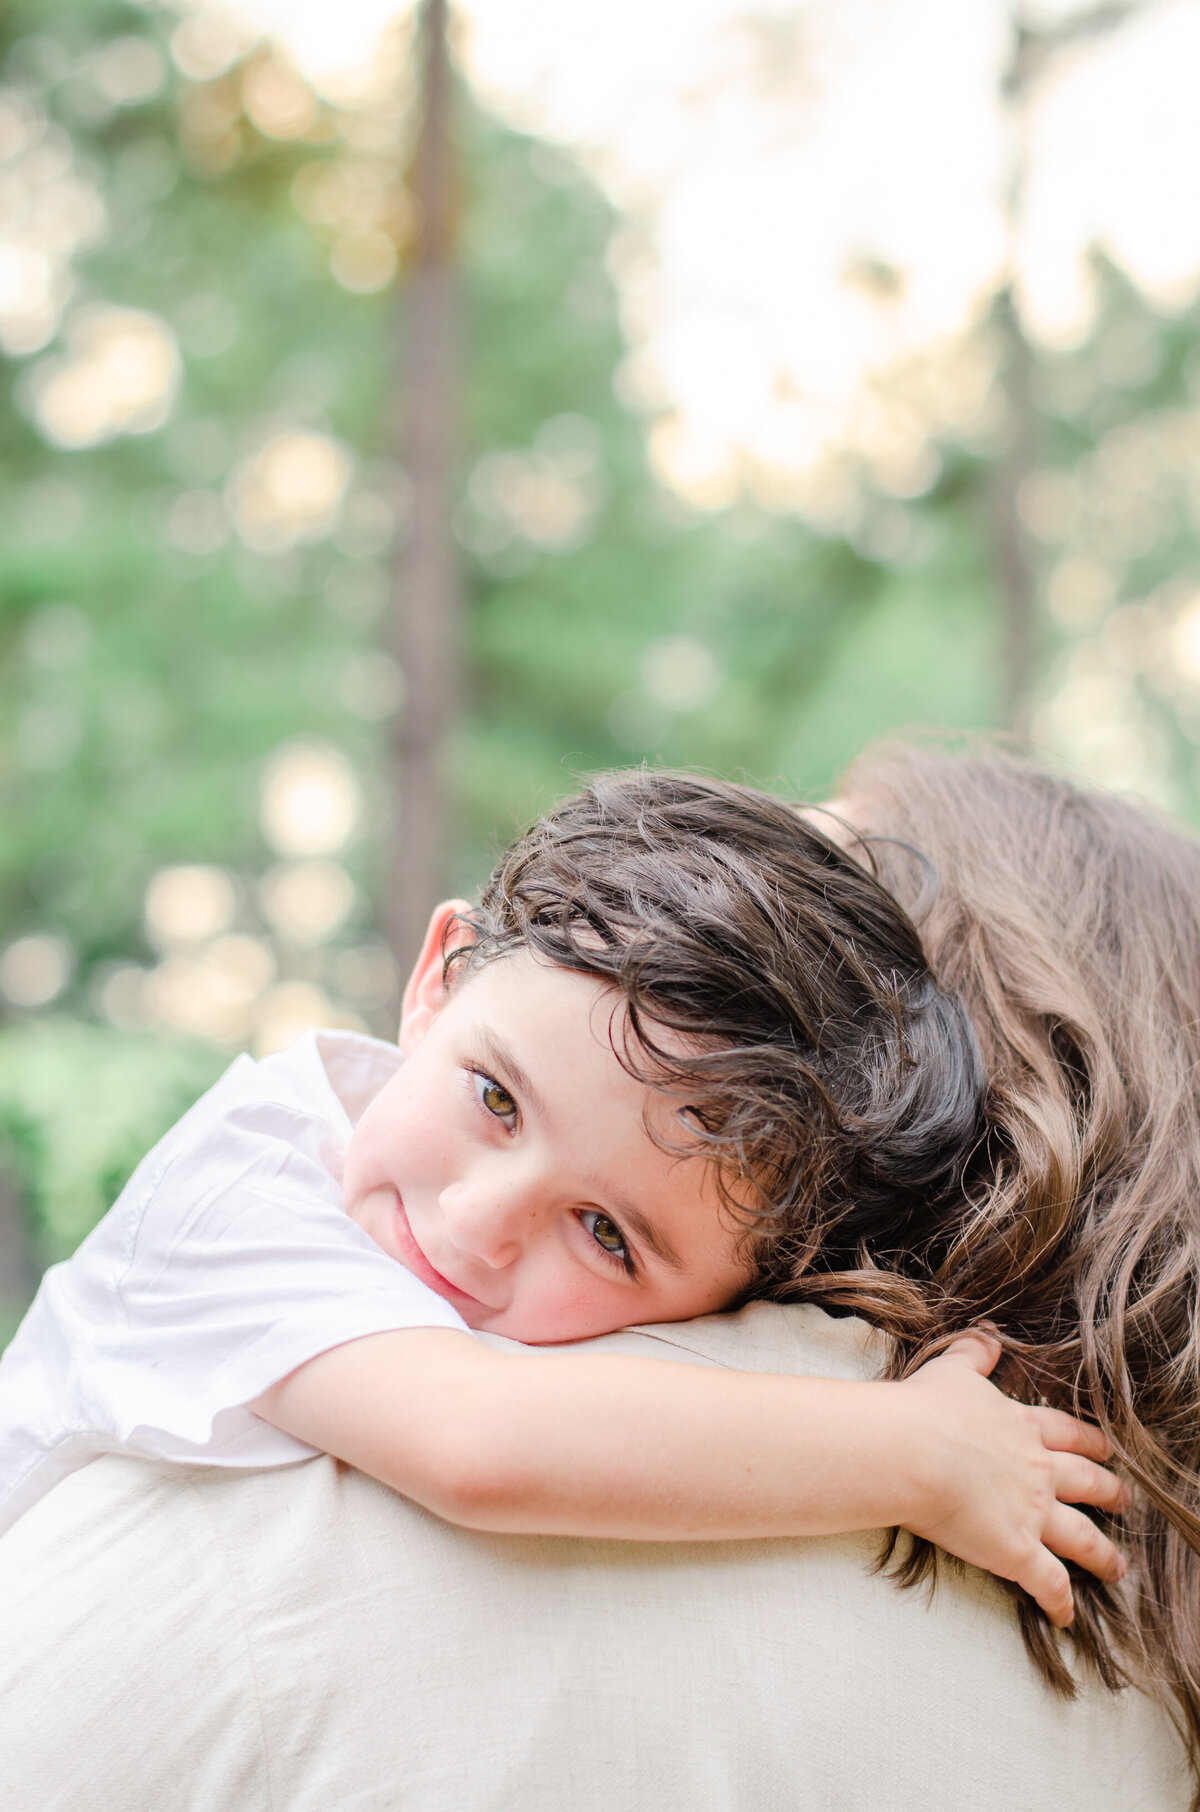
(1068,921)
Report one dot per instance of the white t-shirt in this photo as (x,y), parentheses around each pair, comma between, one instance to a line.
(227,1261)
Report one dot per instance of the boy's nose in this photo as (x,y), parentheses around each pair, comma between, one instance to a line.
(489,1219)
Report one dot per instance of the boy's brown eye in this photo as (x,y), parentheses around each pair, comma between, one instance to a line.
(606,1233)
(496,1099)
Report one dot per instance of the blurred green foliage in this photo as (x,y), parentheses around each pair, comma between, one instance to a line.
(80,1105)
(151,658)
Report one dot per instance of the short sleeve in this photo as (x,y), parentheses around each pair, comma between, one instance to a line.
(229,1262)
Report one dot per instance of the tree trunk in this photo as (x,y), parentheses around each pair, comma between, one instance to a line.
(1014,565)
(427,605)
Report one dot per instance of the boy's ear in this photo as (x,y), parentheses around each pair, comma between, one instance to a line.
(425,992)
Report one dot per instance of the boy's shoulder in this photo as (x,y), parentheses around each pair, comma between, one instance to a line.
(352,1065)
(325,1074)
(278,1122)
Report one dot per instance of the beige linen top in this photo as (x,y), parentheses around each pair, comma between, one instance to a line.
(301,1640)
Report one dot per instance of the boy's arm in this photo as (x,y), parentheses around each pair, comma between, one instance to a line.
(579,1444)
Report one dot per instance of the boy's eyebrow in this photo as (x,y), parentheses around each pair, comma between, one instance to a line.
(515,1072)
(643,1230)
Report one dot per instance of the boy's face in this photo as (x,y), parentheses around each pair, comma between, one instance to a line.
(507,1163)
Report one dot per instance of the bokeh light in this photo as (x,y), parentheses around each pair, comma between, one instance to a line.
(35,969)
(50,210)
(188,903)
(119,374)
(307,902)
(309,802)
(277,99)
(127,71)
(290,491)
(681,673)
(1185,642)
(292,1008)
(209,40)
(364,262)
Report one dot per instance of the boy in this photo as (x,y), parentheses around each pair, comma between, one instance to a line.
(683,1042)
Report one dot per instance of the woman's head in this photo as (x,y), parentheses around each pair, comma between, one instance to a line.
(771,985)
(1069,923)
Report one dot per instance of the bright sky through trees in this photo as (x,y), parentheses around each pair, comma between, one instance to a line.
(816,195)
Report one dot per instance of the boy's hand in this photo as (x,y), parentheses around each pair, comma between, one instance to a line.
(1003,1475)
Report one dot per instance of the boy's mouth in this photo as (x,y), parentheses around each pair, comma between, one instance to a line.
(414,1260)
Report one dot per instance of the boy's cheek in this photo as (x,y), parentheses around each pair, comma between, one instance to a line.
(561,1311)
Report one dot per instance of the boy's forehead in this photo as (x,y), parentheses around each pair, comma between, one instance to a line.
(536,1004)
(525,994)
(597,1001)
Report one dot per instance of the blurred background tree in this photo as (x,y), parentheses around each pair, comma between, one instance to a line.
(203,320)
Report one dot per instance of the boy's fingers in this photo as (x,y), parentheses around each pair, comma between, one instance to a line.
(1067,1434)
(978,1350)
(1081,1481)
(1047,1580)
(1074,1536)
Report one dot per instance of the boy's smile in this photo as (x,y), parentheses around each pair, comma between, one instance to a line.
(508,1163)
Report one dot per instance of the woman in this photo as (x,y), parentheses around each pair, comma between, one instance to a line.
(1069,922)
